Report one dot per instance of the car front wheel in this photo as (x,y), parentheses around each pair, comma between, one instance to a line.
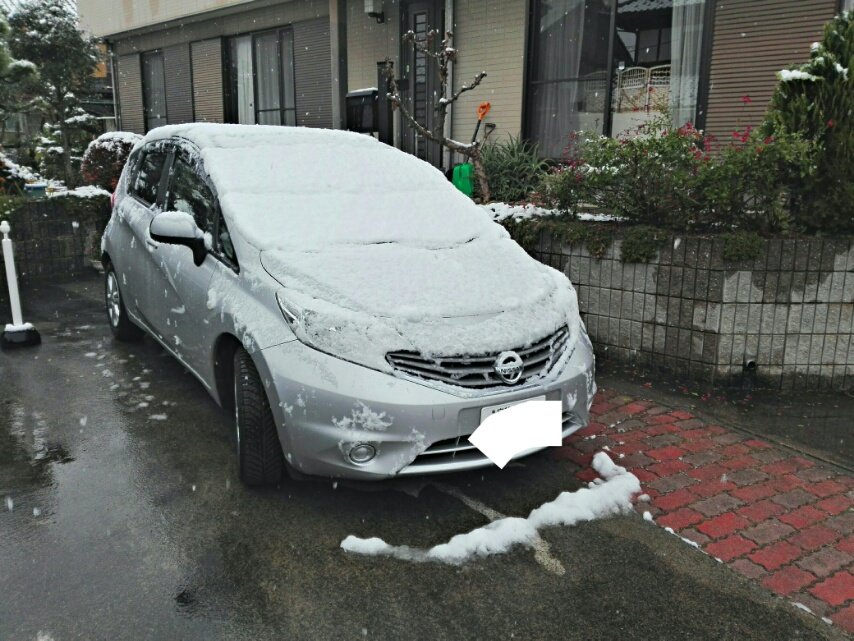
(259,452)
(121,326)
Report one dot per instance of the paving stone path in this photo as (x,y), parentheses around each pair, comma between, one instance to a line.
(781,519)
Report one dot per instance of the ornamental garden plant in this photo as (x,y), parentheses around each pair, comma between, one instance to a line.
(789,175)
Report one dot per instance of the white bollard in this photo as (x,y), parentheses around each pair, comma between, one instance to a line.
(18,332)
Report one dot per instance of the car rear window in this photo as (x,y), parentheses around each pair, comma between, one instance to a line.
(148,176)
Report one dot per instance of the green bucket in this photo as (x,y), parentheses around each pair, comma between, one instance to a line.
(463,178)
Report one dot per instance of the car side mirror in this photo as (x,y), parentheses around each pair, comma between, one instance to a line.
(179,228)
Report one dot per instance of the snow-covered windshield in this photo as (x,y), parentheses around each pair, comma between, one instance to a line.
(295,188)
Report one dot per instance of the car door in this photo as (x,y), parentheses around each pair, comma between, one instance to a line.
(177,284)
(130,241)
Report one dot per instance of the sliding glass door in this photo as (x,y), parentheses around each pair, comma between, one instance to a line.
(153,89)
(261,78)
(609,66)
(657,56)
(568,76)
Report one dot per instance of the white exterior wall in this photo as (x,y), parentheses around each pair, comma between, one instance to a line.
(106,17)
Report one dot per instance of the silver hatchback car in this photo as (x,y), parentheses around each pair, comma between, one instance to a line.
(358,314)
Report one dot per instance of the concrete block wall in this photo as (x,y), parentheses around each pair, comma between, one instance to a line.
(691,313)
(49,241)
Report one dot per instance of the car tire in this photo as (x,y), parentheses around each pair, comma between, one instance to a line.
(122,327)
(259,451)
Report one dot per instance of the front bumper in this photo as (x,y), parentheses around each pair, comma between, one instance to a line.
(323,406)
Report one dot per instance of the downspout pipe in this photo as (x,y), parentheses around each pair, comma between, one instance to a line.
(117,115)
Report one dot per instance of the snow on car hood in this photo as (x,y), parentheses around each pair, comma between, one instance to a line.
(361,302)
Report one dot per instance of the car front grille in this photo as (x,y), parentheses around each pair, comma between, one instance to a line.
(458,452)
(479,371)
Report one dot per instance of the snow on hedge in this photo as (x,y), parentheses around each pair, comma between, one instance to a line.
(502,211)
(610,497)
(375,250)
(86,191)
(19,171)
(787,75)
(114,141)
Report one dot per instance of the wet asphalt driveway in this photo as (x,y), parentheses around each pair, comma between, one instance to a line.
(121,518)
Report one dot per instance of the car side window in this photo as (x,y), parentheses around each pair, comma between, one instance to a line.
(224,244)
(189,193)
(147,179)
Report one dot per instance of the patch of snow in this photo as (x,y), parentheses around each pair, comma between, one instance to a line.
(176,223)
(113,141)
(18,328)
(20,65)
(19,171)
(502,211)
(647,516)
(86,191)
(157,417)
(361,417)
(609,498)
(787,75)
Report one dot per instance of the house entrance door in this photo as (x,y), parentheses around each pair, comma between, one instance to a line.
(419,77)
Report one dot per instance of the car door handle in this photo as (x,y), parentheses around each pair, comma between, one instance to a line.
(151,244)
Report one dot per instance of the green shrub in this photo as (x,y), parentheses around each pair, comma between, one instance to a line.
(641,244)
(93,208)
(751,182)
(742,246)
(9,205)
(815,101)
(514,169)
(647,178)
(13,176)
(673,178)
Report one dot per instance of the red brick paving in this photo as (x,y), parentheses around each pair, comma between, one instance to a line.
(775,517)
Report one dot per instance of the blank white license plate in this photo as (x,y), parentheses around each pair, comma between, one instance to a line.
(492,409)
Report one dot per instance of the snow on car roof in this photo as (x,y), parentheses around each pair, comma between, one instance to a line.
(297,188)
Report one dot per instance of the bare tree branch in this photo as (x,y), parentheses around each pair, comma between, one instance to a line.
(443,58)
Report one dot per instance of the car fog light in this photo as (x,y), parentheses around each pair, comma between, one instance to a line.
(362,453)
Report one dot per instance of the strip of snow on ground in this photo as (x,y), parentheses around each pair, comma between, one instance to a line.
(608,498)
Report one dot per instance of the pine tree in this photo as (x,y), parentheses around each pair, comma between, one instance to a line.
(45,32)
(17,81)
(816,101)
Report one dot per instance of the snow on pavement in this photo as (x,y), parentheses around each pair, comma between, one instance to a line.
(611,497)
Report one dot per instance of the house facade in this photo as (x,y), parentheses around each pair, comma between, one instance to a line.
(554,66)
